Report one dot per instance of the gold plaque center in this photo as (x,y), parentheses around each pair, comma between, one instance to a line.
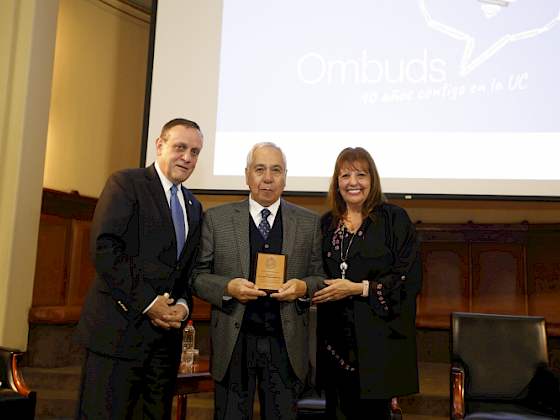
(270,271)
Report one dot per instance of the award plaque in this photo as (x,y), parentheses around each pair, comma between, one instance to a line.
(270,271)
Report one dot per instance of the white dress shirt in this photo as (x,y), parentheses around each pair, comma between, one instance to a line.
(255,211)
(167,184)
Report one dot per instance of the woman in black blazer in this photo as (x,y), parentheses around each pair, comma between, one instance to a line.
(366,326)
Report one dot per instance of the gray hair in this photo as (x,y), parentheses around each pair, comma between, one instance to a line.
(261,145)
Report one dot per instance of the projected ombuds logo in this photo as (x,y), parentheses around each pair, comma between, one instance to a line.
(515,20)
(492,9)
(314,68)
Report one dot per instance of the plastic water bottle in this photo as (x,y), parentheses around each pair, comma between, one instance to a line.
(189,336)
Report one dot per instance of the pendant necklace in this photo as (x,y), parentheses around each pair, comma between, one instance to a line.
(343,257)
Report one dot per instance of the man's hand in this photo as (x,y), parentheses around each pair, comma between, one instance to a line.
(165,316)
(243,290)
(290,291)
(178,313)
(337,289)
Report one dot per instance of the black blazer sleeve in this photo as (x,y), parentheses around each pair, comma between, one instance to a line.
(115,246)
(404,278)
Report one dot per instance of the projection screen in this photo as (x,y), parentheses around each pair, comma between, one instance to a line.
(452,98)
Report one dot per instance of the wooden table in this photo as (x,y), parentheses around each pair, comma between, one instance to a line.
(192,383)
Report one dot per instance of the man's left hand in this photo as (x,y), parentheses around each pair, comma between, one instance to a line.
(290,291)
(173,318)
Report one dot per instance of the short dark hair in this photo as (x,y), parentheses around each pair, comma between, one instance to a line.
(350,158)
(175,122)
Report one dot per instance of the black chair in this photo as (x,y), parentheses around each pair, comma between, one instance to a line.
(17,401)
(498,363)
(311,404)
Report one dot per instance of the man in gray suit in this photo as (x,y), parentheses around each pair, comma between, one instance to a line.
(259,338)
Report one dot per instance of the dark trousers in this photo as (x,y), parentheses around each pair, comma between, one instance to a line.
(258,361)
(344,403)
(113,388)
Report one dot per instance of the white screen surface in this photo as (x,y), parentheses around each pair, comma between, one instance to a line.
(454,97)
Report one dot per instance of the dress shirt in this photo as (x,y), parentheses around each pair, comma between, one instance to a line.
(255,211)
(167,184)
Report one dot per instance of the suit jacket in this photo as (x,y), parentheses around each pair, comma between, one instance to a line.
(226,254)
(134,251)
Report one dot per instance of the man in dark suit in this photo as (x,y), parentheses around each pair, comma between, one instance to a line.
(258,338)
(144,240)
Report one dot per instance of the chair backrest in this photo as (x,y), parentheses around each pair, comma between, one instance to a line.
(500,353)
(19,399)
(6,373)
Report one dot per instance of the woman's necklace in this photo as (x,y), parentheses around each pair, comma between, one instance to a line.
(343,256)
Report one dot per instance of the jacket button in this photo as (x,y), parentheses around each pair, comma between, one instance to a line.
(403,278)
(237,325)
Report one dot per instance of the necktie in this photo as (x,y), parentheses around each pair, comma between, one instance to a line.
(178,220)
(264,227)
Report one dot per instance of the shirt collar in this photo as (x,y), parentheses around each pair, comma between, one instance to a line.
(255,208)
(167,184)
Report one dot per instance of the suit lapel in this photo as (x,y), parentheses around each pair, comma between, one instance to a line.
(191,216)
(157,190)
(241,224)
(289,231)
(169,253)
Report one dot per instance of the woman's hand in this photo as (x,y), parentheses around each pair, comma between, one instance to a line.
(337,289)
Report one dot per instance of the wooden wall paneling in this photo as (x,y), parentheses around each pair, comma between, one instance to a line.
(201,310)
(543,261)
(470,283)
(51,269)
(82,270)
(445,288)
(68,205)
(61,210)
(492,268)
(498,279)
(525,281)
